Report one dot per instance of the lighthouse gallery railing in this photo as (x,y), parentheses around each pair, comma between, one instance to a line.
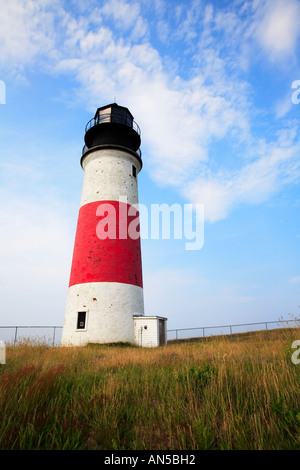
(105,118)
(110,117)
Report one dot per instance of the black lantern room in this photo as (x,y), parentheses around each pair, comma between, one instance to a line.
(113,126)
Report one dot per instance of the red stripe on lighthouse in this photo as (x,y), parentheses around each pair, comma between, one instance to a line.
(110,259)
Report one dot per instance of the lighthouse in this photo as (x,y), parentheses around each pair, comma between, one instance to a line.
(105,302)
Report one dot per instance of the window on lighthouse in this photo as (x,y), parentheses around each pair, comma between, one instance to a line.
(81,319)
(133,171)
(104,115)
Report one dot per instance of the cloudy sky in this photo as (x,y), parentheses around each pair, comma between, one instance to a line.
(213,86)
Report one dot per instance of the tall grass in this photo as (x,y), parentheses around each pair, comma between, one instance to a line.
(214,395)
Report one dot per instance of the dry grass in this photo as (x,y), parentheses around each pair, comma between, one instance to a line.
(214,395)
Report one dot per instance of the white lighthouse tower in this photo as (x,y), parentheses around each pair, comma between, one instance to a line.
(105,301)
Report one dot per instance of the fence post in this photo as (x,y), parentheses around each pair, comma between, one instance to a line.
(204,335)
(15,336)
(53,336)
(230,332)
(267,336)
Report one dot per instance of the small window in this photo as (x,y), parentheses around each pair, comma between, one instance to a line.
(81,320)
(133,171)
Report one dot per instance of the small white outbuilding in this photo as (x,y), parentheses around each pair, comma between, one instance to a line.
(150,331)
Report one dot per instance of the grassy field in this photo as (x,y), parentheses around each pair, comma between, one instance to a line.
(219,394)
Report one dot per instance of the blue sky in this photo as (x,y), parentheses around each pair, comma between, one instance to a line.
(210,85)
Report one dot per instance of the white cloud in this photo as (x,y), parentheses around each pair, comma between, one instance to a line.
(253,183)
(216,195)
(126,17)
(277,27)
(295,280)
(283,106)
(27,30)
(123,13)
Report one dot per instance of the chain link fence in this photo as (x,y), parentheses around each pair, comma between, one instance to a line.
(51,335)
(230,331)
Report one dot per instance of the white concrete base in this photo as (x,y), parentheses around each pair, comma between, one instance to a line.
(109,308)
